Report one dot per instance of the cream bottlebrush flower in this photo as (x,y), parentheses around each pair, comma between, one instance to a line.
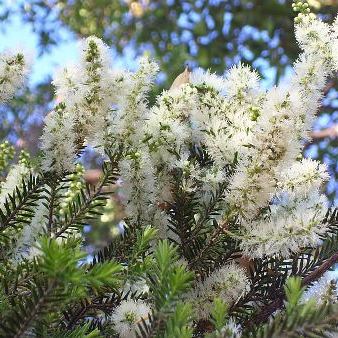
(249,191)
(58,141)
(90,89)
(309,81)
(228,283)
(200,76)
(14,67)
(128,315)
(303,176)
(241,82)
(291,225)
(68,83)
(274,146)
(225,143)
(227,137)
(128,119)
(210,124)
(168,129)
(224,124)
(93,97)
(13,180)
(139,186)
(179,103)
(283,117)
(313,66)
(281,123)
(30,232)
(314,36)
(285,107)
(210,114)
(94,68)
(335,43)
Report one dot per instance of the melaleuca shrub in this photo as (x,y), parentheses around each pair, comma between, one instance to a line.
(225,231)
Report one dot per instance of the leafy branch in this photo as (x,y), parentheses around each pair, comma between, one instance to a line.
(88,201)
(18,207)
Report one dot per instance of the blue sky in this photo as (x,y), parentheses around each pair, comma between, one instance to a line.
(18,33)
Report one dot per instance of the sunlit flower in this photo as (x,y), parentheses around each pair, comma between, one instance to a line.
(14,67)
(128,315)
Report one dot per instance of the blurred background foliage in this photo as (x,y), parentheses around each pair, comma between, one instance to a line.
(211,34)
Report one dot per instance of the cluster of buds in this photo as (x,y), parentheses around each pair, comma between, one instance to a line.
(25,159)
(76,184)
(7,152)
(302,7)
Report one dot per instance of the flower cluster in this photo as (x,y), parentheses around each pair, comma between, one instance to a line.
(7,152)
(58,141)
(228,283)
(14,179)
(14,67)
(75,186)
(213,185)
(258,133)
(88,93)
(128,315)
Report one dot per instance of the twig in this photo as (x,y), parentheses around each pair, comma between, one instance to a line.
(89,199)
(214,236)
(317,273)
(269,309)
(51,207)
(40,181)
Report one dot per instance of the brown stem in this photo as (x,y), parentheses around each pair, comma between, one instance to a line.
(51,207)
(331,132)
(214,236)
(316,274)
(269,309)
(83,210)
(34,311)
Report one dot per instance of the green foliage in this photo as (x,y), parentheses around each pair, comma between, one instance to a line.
(168,282)
(60,262)
(179,323)
(58,280)
(7,152)
(58,293)
(79,332)
(293,290)
(219,314)
(60,290)
(308,319)
(139,260)
(86,205)
(18,207)
(169,279)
